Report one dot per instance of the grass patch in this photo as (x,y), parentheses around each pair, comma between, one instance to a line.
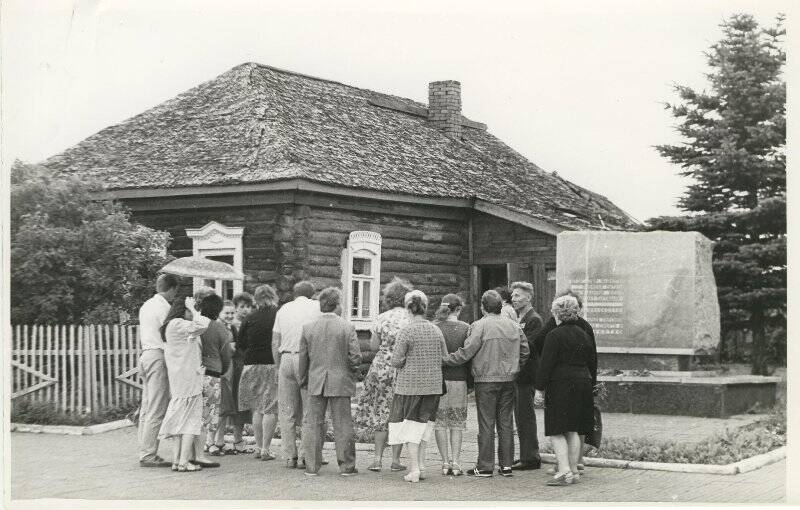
(730,446)
(46,413)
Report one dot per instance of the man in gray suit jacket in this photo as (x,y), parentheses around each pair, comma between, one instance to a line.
(329,358)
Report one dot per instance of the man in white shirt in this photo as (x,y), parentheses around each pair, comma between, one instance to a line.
(153,370)
(286,334)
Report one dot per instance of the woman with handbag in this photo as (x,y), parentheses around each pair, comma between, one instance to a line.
(564,385)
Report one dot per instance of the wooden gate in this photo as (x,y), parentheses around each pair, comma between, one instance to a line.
(79,369)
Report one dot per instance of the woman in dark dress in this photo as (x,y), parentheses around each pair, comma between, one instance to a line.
(564,384)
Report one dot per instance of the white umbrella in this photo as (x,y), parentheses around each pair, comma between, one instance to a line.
(199,267)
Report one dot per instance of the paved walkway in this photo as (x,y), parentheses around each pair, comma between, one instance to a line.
(104,467)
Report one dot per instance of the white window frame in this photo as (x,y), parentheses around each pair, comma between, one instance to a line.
(215,239)
(367,245)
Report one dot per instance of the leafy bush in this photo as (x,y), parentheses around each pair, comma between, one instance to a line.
(75,258)
(729,446)
(47,413)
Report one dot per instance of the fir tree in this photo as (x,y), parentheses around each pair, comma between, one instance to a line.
(735,137)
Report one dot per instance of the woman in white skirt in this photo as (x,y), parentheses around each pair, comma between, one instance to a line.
(418,386)
(183,356)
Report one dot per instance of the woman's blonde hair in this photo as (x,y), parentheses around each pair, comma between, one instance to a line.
(265,295)
(565,308)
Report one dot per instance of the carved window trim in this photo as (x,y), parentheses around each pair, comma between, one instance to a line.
(361,244)
(216,239)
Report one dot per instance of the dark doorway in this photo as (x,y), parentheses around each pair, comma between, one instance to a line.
(493,276)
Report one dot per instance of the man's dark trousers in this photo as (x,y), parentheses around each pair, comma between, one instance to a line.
(495,403)
(525,418)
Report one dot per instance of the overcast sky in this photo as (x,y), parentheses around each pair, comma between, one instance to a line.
(577,87)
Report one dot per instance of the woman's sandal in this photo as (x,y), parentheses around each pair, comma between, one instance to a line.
(267,456)
(446,469)
(412,477)
(183,468)
(456,470)
(561,479)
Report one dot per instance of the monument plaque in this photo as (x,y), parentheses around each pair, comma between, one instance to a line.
(646,292)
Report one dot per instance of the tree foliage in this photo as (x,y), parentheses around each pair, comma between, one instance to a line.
(74,258)
(734,150)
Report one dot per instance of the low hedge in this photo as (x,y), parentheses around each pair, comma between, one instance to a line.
(726,447)
(46,413)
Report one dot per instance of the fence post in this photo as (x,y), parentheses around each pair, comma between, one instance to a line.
(86,354)
(17,345)
(33,360)
(62,380)
(47,367)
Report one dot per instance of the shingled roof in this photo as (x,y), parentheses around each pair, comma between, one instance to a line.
(259,124)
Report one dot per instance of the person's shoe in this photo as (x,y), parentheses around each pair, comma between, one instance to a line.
(505,471)
(215,450)
(257,453)
(267,456)
(375,466)
(310,474)
(301,464)
(477,473)
(446,469)
(575,478)
(205,463)
(552,470)
(352,472)
(397,467)
(561,479)
(412,477)
(155,463)
(581,468)
(527,466)
(456,470)
(291,463)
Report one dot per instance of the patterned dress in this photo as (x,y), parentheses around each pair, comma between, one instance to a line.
(375,400)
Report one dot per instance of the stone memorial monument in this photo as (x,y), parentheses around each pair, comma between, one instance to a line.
(650,296)
(652,301)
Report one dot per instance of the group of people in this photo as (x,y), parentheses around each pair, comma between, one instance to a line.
(208,364)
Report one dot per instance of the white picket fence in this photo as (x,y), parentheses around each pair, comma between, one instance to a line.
(80,369)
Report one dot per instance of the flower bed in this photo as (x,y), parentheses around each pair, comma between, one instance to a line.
(723,448)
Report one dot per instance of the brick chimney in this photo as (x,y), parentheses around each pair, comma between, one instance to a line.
(444,107)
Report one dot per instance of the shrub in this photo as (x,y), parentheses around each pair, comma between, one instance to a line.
(47,413)
(732,445)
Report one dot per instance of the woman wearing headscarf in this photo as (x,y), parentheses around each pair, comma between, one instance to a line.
(564,385)
(417,357)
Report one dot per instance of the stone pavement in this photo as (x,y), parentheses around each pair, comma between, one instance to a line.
(105,467)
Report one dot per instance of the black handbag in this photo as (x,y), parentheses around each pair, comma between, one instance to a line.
(596,435)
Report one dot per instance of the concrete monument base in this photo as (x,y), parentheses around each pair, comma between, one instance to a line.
(688,394)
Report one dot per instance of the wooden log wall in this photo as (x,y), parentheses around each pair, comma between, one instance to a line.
(266,234)
(431,253)
(498,241)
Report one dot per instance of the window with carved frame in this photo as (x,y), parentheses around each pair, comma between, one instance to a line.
(361,270)
(218,242)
